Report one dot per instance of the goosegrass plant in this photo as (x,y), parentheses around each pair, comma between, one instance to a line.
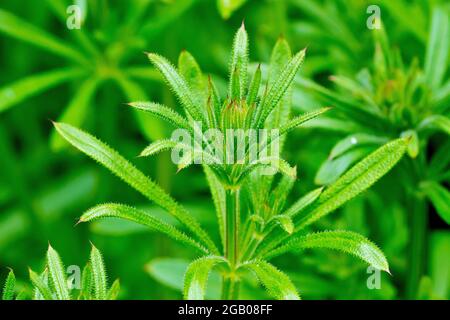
(254,222)
(53,283)
(391,99)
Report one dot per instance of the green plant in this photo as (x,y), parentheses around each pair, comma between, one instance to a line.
(393,100)
(96,53)
(52,284)
(241,192)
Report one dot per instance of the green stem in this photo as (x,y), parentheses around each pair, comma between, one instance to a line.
(417,247)
(230,287)
(418,227)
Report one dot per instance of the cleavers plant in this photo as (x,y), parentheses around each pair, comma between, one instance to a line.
(254,223)
(53,284)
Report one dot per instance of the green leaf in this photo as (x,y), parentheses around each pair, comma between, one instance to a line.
(345,241)
(57,274)
(281,54)
(41,287)
(276,282)
(299,120)
(280,86)
(280,193)
(135,178)
(331,169)
(436,122)
(141,217)
(178,85)
(437,50)
(254,86)
(239,63)
(439,197)
(359,178)
(355,140)
(76,112)
(86,283)
(19,29)
(113,292)
(9,288)
(163,112)
(303,202)
(98,274)
(157,147)
(191,72)
(196,277)
(17,92)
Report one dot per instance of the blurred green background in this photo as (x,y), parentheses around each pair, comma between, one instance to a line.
(85,77)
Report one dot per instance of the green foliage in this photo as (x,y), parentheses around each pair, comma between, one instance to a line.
(384,87)
(9,287)
(241,247)
(52,284)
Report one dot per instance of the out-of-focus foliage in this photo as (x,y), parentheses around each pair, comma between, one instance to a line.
(85,77)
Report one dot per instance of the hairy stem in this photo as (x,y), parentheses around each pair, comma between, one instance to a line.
(230,287)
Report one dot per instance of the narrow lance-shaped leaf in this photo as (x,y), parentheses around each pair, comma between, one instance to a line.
(345,241)
(86,283)
(98,274)
(281,54)
(276,282)
(17,92)
(239,62)
(129,213)
(254,86)
(9,288)
(196,277)
(157,147)
(178,85)
(280,86)
(359,178)
(57,274)
(113,292)
(40,285)
(303,202)
(163,112)
(191,72)
(135,178)
(299,120)
(37,295)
